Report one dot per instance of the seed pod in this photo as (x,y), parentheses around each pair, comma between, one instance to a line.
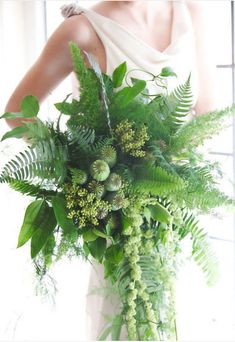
(109,154)
(116,200)
(113,182)
(99,170)
(78,176)
(96,188)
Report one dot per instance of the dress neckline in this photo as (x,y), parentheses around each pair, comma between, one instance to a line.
(133,35)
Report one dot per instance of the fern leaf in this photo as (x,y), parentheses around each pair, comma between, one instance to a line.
(202,252)
(156,181)
(183,98)
(202,127)
(90,90)
(45,161)
(202,189)
(80,135)
(29,189)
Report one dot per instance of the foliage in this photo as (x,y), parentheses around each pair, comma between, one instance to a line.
(124,183)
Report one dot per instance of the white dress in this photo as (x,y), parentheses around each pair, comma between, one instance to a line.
(122,45)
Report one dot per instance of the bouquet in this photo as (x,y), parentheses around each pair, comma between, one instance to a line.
(122,183)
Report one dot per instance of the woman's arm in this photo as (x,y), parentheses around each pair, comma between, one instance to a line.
(201,13)
(53,65)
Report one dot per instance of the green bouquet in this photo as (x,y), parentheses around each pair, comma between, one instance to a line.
(123,183)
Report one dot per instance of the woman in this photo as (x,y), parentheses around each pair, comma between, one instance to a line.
(149,35)
(149,20)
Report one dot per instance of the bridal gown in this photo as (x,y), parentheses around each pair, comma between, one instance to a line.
(122,45)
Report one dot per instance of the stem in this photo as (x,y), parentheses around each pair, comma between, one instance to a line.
(176,332)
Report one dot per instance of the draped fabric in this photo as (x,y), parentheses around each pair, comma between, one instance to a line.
(122,45)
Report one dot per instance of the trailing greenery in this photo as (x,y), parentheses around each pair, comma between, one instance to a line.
(124,183)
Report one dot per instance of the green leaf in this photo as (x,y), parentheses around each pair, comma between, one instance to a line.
(17,132)
(29,106)
(89,235)
(127,94)
(108,268)
(118,75)
(126,222)
(61,214)
(167,71)
(97,248)
(159,213)
(44,231)
(114,254)
(33,218)
(11,115)
(100,234)
(86,249)
(147,214)
(116,327)
(68,108)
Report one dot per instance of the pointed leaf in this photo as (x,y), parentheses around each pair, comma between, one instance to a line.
(17,132)
(61,214)
(89,235)
(29,106)
(116,327)
(159,213)
(167,71)
(33,217)
(127,94)
(118,75)
(44,231)
(97,248)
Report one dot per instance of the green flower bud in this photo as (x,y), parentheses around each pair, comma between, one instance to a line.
(99,170)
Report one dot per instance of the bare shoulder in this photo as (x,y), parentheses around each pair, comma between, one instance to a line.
(199,10)
(79,29)
(204,18)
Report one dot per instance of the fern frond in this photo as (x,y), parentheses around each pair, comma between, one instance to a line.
(91,112)
(29,189)
(80,135)
(202,189)
(202,127)
(156,181)
(202,252)
(182,98)
(46,161)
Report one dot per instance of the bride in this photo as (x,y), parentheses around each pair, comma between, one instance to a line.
(149,35)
